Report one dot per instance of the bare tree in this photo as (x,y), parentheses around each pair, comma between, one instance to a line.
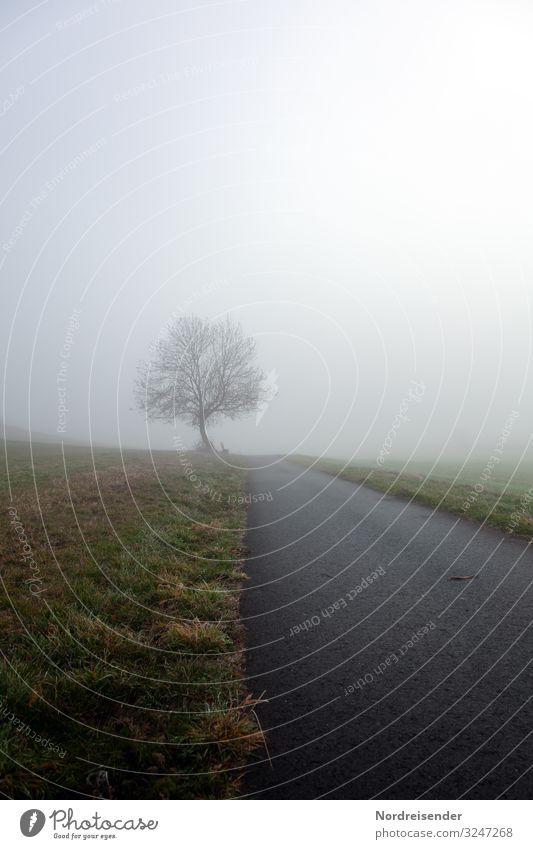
(202,371)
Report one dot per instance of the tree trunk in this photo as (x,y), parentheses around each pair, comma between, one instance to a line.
(205,438)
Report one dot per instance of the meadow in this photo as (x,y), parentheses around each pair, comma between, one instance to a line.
(121,652)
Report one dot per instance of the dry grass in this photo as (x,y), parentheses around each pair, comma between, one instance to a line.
(128,659)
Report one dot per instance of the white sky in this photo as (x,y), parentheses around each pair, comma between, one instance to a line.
(351,180)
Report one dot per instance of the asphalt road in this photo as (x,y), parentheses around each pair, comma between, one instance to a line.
(354,706)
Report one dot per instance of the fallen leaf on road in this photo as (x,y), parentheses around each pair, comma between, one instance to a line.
(461,577)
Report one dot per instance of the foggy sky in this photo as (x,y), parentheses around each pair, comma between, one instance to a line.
(352,181)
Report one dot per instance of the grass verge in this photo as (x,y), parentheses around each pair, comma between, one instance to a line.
(498,502)
(121,672)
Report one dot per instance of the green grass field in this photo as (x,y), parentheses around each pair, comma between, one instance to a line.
(502,497)
(120,645)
